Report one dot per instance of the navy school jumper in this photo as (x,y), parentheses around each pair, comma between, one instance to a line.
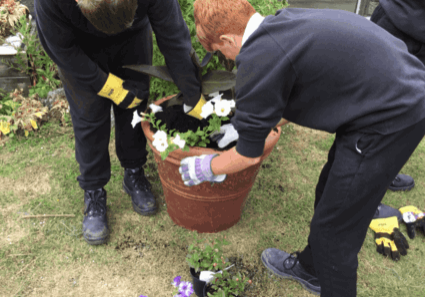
(407,15)
(405,20)
(63,30)
(324,69)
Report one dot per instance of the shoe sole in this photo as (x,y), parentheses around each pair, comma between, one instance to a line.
(288,276)
(136,208)
(97,241)
(395,189)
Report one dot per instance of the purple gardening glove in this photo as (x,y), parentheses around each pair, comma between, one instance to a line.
(195,170)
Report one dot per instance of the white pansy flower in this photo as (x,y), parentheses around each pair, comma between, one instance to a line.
(213,94)
(155,108)
(136,119)
(216,98)
(207,110)
(180,142)
(160,145)
(232,103)
(160,136)
(222,108)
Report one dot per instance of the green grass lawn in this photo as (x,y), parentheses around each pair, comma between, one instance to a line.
(48,256)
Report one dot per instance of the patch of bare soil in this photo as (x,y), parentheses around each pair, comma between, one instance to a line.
(35,181)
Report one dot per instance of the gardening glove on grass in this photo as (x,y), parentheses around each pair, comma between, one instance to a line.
(197,110)
(123,93)
(195,170)
(226,135)
(414,219)
(388,238)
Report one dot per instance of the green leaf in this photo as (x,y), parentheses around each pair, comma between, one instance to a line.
(217,80)
(160,72)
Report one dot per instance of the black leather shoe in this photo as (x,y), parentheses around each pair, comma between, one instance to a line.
(402,182)
(385,211)
(138,187)
(287,266)
(95,225)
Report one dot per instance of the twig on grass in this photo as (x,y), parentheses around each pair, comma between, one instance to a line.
(25,267)
(66,227)
(49,216)
(13,255)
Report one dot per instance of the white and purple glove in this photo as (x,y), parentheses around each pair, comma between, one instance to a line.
(195,170)
(226,135)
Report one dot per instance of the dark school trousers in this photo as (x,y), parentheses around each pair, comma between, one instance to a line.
(91,114)
(414,46)
(352,183)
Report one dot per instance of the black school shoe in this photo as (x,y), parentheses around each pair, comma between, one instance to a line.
(402,182)
(95,224)
(287,266)
(138,187)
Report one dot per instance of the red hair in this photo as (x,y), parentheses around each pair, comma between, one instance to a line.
(220,17)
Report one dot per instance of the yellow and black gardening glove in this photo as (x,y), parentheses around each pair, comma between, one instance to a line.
(189,110)
(125,94)
(388,238)
(414,219)
(197,110)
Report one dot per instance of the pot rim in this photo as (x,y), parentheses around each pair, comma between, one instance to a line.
(176,156)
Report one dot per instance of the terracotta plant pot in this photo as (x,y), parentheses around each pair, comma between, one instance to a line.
(205,208)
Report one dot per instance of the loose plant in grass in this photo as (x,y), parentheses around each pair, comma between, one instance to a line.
(10,13)
(208,259)
(182,289)
(43,72)
(26,118)
(226,285)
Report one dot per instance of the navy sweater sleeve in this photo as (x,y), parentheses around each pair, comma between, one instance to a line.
(173,39)
(260,99)
(59,41)
(407,15)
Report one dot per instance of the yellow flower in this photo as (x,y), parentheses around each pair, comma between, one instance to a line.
(26,133)
(4,127)
(34,124)
(38,114)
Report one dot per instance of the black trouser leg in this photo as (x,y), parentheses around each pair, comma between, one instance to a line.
(306,257)
(92,124)
(130,143)
(91,113)
(364,166)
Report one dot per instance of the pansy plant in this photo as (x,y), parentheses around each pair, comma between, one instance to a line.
(210,258)
(167,141)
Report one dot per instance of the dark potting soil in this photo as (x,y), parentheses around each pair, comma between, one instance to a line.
(174,118)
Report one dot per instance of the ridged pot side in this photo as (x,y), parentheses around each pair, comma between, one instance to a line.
(204,208)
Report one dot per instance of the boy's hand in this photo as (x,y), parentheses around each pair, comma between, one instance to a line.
(195,170)
(125,94)
(226,135)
